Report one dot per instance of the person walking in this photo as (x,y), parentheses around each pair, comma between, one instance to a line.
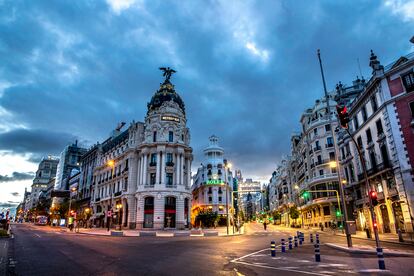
(265,225)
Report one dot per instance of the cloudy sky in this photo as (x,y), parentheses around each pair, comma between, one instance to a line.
(246,70)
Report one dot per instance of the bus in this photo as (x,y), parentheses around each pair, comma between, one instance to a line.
(41,220)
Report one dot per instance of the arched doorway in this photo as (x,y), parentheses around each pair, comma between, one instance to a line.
(170,211)
(186,216)
(149,212)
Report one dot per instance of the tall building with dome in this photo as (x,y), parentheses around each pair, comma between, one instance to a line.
(143,176)
(212,185)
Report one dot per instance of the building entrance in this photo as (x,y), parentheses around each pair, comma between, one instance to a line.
(149,212)
(170,212)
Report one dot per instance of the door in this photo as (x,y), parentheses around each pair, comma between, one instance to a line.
(385,219)
(170,211)
(149,212)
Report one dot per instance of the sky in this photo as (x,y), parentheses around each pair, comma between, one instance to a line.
(246,71)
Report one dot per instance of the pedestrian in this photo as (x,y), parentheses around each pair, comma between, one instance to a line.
(265,225)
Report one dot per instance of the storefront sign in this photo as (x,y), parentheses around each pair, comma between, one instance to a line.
(170,118)
(215,181)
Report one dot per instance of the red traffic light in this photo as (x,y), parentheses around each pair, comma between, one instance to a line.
(373,194)
(342,115)
(373,197)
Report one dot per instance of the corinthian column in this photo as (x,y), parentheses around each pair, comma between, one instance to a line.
(181,170)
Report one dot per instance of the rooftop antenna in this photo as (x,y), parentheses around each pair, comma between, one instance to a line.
(359,67)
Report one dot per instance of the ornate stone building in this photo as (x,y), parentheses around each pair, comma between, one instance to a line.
(143,175)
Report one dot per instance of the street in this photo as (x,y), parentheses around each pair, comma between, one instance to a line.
(42,250)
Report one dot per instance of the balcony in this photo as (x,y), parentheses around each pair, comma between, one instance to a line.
(169,164)
(149,185)
(317,148)
(381,136)
(97,199)
(171,185)
(153,164)
(376,169)
(321,162)
(117,193)
(329,145)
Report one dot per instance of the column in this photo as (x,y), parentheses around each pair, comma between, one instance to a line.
(144,176)
(139,218)
(141,170)
(163,168)
(188,173)
(177,169)
(132,174)
(181,170)
(179,221)
(157,173)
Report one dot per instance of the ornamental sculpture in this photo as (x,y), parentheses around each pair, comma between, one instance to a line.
(167,72)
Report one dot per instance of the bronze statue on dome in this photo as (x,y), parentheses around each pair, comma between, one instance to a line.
(167,72)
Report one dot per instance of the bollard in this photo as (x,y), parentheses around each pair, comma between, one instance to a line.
(317,238)
(283,246)
(300,238)
(311,238)
(296,241)
(400,237)
(380,255)
(273,248)
(290,243)
(317,253)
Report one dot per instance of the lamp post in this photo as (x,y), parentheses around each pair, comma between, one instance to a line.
(226,167)
(119,207)
(70,203)
(111,164)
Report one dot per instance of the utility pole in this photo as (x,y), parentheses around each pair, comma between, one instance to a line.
(348,235)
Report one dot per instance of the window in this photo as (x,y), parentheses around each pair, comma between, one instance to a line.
(329,142)
(408,81)
(320,172)
(364,113)
(210,190)
(219,199)
(315,131)
(327,127)
(326,211)
(356,125)
(359,142)
(369,136)
(170,136)
(331,156)
(154,158)
(210,199)
(154,136)
(220,191)
(169,157)
(412,109)
(169,179)
(374,103)
(379,127)
(152,178)
(319,159)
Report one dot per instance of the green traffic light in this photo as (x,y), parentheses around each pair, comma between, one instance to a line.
(338,213)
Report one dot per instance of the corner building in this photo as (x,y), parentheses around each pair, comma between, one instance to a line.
(150,170)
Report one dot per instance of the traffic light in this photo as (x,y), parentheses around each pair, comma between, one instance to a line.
(338,213)
(342,115)
(374,199)
(305,195)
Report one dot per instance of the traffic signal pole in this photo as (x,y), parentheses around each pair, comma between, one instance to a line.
(371,207)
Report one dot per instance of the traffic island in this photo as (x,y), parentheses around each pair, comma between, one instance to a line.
(368,250)
(117,233)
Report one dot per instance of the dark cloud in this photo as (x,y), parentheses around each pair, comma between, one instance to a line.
(16,194)
(16,176)
(246,70)
(37,141)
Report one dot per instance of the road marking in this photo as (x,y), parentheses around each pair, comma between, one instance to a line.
(242,257)
(37,235)
(281,268)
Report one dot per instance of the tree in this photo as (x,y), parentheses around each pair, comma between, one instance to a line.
(294,213)
(207,218)
(241,215)
(276,216)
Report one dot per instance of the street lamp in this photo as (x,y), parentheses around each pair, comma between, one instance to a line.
(119,207)
(70,202)
(110,163)
(226,167)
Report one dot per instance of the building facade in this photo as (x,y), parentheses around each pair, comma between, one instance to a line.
(46,171)
(144,173)
(380,126)
(213,184)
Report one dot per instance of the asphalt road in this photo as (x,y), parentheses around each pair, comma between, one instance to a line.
(37,250)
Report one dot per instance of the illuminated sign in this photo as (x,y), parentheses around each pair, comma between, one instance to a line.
(170,118)
(214,181)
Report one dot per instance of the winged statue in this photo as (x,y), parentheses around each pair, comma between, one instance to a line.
(167,72)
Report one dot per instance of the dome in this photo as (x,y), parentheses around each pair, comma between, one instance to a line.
(166,93)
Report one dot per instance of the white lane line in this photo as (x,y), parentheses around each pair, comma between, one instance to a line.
(245,256)
(37,235)
(282,268)
(5,244)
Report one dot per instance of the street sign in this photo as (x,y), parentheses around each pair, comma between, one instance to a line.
(109,213)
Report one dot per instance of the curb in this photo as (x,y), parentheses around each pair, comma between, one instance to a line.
(366,239)
(368,251)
